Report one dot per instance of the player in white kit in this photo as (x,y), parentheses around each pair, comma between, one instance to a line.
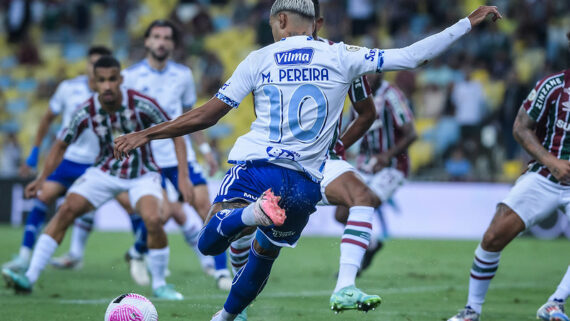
(299,86)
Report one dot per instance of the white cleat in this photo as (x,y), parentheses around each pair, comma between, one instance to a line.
(467,314)
(224,280)
(138,270)
(67,262)
(552,311)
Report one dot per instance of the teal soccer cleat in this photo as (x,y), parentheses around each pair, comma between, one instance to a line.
(352,298)
(167,292)
(19,282)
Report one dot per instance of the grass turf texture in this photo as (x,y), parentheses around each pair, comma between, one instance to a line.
(417,279)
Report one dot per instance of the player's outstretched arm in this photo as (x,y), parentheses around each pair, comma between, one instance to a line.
(52,161)
(426,49)
(196,119)
(525,134)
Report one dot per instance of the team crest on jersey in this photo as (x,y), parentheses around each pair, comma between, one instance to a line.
(352,48)
(301,56)
(274,152)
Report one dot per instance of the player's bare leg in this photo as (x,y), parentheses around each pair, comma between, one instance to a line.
(50,192)
(350,191)
(504,227)
(158,250)
(74,206)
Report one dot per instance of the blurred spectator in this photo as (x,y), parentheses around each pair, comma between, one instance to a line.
(457,166)
(260,16)
(11,156)
(28,53)
(212,71)
(241,13)
(515,93)
(362,14)
(18,16)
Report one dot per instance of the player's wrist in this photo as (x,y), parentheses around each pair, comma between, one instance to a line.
(205,148)
(32,160)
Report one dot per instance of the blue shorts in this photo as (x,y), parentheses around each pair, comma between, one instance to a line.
(67,172)
(171,173)
(299,196)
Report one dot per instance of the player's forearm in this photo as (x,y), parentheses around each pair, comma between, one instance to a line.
(402,145)
(356,129)
(527,138)
(53,159)
(180,149)
(426,49)
(191,121)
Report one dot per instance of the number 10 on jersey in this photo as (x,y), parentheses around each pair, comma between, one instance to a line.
(294,111)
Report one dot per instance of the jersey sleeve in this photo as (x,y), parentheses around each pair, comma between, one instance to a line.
(240,84)
(537,103)
(57,101)
(421,52)
(127,78)
(356,61)
(79,122)
(189,94)
(401,110)
(359,90)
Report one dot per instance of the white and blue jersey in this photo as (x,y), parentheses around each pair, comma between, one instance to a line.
(173,88)
(69,95)
(299,86)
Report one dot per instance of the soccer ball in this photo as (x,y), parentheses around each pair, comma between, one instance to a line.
(131,307)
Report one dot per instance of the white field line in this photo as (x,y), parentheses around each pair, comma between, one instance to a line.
(326,293)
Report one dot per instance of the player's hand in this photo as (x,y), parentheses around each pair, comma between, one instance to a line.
(479,15)
(186,188)
(32,188)
(560,169)
(25,171)
(212,163)
(125,144)
(382,161)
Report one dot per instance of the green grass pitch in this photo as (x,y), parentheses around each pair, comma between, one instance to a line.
(417,279)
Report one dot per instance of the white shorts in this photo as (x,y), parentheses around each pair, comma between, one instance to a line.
(98,187)
(534,198)
(333,169)
(384,183)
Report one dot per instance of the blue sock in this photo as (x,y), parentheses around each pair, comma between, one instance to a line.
(220,261)
(136,222)
(249,282)
(34,222)
(140,239)
(216,236)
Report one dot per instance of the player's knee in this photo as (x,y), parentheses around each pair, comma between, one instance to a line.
(67,213)
(364,196)
(153,223)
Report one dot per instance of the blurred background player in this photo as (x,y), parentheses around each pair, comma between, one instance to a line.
(382,157)
(172,85)
(110,112)
(541,129)
(264,157)
(79,156)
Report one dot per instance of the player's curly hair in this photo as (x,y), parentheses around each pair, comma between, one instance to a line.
(107,62)
(305,8)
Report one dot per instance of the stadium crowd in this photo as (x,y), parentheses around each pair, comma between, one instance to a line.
(465,102)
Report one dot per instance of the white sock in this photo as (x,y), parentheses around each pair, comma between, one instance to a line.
(483,270)
(226,316)
(355,240)
(191,231)
(247,216)
(157,264)
(134,253)
(563,290)
(239,252)
(79,235)
(25,253)
(45,247)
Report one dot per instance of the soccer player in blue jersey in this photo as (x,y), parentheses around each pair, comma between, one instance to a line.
(299,86)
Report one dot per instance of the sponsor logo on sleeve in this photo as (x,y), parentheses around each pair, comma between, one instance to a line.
(302,56)
(352,48)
